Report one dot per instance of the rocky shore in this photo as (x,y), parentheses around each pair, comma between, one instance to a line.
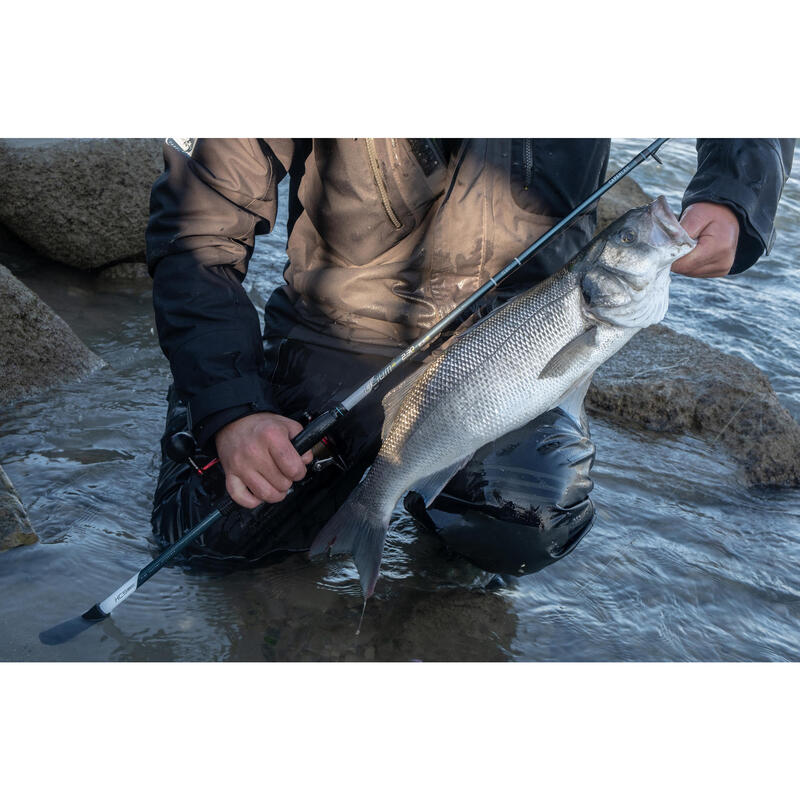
(38,349)
(15,527)
(669,382)
(673,383)
(82,202)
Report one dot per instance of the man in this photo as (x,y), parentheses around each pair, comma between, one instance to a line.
(386,237)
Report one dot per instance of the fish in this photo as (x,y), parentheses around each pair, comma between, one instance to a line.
(535,352)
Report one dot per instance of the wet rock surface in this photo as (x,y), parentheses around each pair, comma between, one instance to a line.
(37,349)
(83,202)
(127,271)
(15,527)
(670,382)
(622,197)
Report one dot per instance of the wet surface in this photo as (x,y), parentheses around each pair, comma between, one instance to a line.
(684,562)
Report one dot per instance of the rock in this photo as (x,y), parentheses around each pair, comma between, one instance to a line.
(129,276)
(625,195)
(82,202)
(127,271)
(37,348)
(15,527)
(667,381)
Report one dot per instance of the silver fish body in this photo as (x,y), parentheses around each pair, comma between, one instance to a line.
(534,353)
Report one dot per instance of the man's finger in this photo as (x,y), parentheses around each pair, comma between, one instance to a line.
(712,257)
(693,262)
(287,459)
(261,460)
(294,428)
(239,493)
(694,221)
(263,488)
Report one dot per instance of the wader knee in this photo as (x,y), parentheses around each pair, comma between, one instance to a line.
(522,502)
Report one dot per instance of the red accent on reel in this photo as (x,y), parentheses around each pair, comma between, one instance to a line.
(210,464)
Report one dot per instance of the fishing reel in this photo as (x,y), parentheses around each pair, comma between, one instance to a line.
(182,448)
(324,451)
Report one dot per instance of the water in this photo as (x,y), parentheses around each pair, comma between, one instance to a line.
(684,561)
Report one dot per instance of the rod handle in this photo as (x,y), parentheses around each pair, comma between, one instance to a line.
(316,429)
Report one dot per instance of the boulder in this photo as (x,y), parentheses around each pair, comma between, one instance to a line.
(82,202)
(127,271)
(622,197)
(667,381)
(15,527)
(37,348)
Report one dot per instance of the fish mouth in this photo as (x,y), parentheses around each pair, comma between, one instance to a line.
(667,230)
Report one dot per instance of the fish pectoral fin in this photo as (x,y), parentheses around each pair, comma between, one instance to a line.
(394,399)
(576,350)
(429,488)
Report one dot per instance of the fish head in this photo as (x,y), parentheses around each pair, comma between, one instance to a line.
(626,278)
(642,242)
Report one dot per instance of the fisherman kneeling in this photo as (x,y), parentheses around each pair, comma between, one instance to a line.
(385,237)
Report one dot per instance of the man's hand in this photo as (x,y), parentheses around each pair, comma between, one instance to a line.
(717,231)
(258,458)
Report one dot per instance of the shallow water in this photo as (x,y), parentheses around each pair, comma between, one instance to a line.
(684,562)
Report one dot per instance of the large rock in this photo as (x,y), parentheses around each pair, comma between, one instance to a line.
(667,381)
(15,527)
(83,202)
(37,348)
(622,197)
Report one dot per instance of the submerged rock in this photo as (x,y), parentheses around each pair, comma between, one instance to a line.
(126,272)
(667,381)
(37,348)
(82,202)
(15,527)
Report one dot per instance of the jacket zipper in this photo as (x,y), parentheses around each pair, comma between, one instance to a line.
(381,183)
(527,160)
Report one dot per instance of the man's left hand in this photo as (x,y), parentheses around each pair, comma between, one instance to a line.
(716,229)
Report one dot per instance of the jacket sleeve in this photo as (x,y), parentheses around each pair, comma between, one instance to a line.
(747,176)
(205,209)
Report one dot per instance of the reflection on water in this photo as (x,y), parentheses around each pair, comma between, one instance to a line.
(684,561)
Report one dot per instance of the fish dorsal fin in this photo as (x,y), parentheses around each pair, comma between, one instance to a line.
(485,318)
(576,349)
(429,488)
(394,398)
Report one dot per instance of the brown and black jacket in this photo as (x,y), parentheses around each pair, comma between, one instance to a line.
(385,236)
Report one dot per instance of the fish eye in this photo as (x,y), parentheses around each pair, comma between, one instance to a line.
(628,236)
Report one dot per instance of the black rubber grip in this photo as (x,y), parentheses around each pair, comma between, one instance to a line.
(316,429)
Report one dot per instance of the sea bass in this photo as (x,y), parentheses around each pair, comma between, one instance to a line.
(537,351)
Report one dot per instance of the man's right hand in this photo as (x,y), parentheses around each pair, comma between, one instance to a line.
(258,458)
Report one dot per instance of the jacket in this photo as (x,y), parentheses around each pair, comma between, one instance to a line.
(385,236)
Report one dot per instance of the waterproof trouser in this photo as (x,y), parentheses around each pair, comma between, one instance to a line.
(521,503)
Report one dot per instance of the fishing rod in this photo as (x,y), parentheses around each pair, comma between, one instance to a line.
(319,426)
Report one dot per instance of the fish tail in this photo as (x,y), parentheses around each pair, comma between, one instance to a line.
(358,530)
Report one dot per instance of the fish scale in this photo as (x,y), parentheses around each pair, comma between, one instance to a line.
(482,386)
(517,363)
